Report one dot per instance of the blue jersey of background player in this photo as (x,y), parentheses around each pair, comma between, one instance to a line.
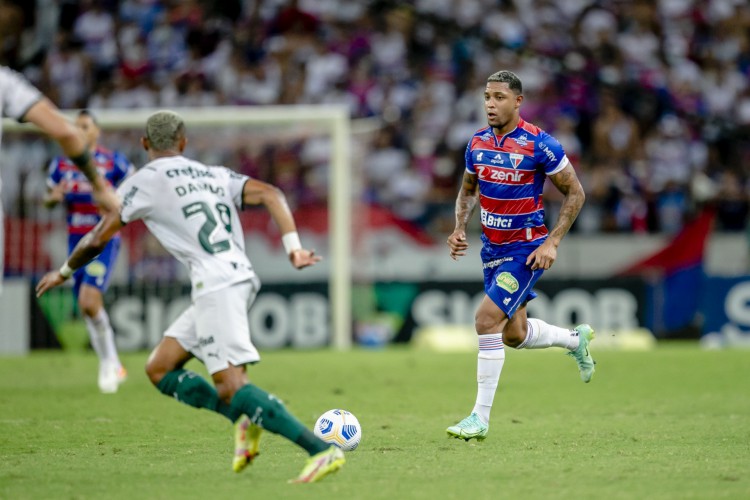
(506,166)
(66,184)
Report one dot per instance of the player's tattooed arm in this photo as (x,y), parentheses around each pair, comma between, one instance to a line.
(465,203)
(467,200)
(568,184)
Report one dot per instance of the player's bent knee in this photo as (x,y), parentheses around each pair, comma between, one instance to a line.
(154,371)
(228,382)
(88,309)
(486,324)
(512,339)
(227,391)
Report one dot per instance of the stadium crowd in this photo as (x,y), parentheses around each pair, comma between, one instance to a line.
(651,99)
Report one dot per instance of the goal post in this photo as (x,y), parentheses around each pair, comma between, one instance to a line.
(330,119)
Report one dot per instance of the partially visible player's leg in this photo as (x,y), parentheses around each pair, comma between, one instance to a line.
(531,333)
(268,411)
(111,371)
(225,349)
(165,370)
(246,433)
(255,409)
(2,246)
(510,287)
(541,335)
(89,286)
(489,323)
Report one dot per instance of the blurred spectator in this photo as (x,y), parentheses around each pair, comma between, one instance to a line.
(95,27)
(67,73)
(11,29)
(616,138)
(732,202)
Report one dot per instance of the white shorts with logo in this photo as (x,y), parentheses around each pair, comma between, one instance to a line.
(215,328)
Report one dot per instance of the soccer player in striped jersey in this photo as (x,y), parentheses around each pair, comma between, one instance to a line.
(191,209)
(66,184)
(506,167)
(20,100)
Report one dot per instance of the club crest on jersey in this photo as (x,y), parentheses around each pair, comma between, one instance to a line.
(506,281)
(516,159)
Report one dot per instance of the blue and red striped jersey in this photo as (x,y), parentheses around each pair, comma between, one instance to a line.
(82,212)
(511,171)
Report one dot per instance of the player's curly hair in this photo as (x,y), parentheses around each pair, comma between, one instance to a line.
(164,130)
(504,76)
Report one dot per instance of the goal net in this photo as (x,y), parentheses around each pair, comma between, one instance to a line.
(313,153)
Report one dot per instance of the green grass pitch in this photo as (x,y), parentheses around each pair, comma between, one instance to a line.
(669,423)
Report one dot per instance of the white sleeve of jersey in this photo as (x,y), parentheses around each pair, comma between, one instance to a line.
(235,182)
(135,194)
(17,95)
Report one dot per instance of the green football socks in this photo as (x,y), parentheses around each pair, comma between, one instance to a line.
(192,389)
(268,412)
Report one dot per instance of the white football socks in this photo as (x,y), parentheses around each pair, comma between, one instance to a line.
(102,337)
(489,366)
(541,335)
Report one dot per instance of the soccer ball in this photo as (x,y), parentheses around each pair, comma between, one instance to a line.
(340,428)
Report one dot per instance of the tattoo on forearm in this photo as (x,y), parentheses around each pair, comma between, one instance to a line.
(466,201)
(568,184)
(568,212)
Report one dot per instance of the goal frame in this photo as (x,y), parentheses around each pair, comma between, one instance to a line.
(332,119)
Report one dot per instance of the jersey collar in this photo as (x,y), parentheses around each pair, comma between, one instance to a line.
(499,142)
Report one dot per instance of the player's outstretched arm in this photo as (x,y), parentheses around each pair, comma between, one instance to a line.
(465,203)
(87,248)
(568,184)
(256,192)
(47,117)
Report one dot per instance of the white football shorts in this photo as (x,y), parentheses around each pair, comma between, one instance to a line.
(215,327)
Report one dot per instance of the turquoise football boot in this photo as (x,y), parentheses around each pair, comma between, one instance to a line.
(471,427)
(582,355)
